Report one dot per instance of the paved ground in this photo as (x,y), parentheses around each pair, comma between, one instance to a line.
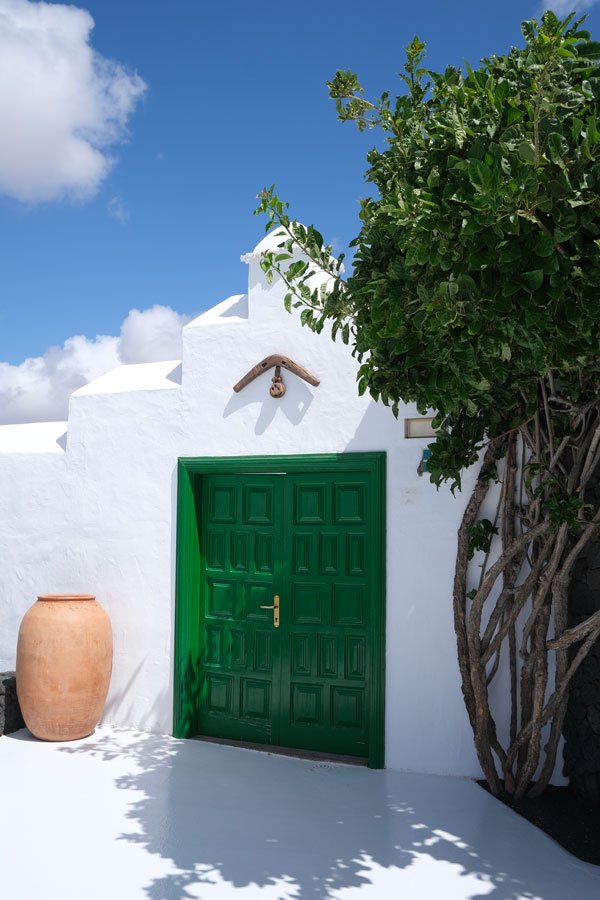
(122,816)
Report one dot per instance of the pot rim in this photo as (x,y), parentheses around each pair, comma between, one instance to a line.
(66,596)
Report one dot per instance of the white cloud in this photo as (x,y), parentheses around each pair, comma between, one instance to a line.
(117,209)
(564,7)
(62,104)
(38,389)
(151,334)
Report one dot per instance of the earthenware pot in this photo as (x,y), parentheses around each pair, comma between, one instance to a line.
(64,662)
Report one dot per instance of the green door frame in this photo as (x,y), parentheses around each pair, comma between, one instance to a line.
(188,581)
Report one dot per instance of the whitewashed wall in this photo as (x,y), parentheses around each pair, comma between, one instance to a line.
(89,506)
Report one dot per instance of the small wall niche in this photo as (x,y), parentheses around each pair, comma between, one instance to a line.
(419,427)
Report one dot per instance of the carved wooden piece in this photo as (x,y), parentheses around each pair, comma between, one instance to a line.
(277,389)
(275,360)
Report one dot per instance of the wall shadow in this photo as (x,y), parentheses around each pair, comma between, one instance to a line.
(374,423)
(293,405)
(175,374)
(238,823)
(239,309)
(116,698)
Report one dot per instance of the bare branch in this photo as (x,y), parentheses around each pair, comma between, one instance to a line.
(523,592)
(544,585)
(519,546)
(592,457)
(577,633)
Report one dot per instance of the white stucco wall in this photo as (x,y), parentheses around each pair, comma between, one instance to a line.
(95,511)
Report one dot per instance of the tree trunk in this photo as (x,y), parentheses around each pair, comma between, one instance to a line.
(545,520)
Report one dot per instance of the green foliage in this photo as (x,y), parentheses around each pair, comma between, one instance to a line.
(477,264)
(480,536)
(560,504)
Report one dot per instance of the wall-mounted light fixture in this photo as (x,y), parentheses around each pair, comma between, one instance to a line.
(419,427)
(425,457)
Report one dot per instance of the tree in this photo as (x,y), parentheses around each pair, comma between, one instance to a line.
(474,291)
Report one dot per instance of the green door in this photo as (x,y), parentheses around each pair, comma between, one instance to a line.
(241,571)
(307,539)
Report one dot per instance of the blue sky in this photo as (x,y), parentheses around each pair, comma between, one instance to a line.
(235,99)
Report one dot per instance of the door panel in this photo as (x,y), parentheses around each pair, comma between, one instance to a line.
(325,613)
(240,529)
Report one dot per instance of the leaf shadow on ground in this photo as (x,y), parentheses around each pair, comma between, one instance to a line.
(242,824)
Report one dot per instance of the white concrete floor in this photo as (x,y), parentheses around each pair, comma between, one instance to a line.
(123,815)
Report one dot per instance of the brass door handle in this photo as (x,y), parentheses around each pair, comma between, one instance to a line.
(275,608)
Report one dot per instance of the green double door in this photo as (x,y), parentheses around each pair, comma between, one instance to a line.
(302,681)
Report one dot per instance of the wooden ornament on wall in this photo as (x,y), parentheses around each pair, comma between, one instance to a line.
(277,389)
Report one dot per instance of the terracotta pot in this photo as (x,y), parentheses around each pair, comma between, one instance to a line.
(64,661)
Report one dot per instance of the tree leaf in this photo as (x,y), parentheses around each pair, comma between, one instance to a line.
(558,147)
(533,279)
(526,151)
(544,245)
(481,176)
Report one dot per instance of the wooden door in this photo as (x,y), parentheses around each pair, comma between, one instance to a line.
(241,570)
(308,539)
(327,568)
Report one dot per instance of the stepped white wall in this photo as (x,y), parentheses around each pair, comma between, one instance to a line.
(95,511)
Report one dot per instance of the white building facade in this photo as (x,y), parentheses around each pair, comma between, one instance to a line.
(91,505)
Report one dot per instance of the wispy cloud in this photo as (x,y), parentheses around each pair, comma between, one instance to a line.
(38,389)
(62,105)
(117,209)
(564,7)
